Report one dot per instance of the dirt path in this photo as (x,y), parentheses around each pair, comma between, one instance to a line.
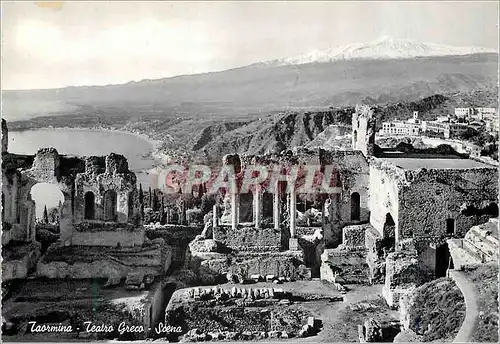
(471,311)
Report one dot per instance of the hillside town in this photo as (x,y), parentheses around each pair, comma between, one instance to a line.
(464,121)
(475,129)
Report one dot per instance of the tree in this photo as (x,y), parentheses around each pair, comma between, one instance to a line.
(45,215)
(150,198)
(53,214)
(141,195)
(207,203)
(162,209)
(155,201)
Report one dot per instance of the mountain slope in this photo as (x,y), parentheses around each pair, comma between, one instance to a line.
(383,48)
(250,91)
(206,139)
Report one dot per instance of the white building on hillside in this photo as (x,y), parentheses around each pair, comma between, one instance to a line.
(464,112)
(411,127)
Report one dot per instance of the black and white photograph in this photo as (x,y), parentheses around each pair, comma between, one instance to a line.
(250,171)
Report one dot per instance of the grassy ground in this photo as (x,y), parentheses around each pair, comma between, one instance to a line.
(485,278)
(438,310)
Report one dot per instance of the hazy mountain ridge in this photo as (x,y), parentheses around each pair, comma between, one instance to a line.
(263,107)
(264,88)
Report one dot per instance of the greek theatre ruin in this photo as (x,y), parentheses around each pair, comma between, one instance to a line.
(101,232)
(390,222)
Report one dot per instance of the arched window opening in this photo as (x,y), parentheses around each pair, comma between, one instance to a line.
(110,205)
(355,207)
(46,196)
(89,207)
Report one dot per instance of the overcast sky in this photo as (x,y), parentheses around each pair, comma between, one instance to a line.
(108,42)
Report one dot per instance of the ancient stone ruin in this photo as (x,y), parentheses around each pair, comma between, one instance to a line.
(99,222)
(398,218)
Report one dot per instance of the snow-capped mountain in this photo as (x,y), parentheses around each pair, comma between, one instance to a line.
(384,47)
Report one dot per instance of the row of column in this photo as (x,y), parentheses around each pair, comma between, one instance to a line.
(257,206)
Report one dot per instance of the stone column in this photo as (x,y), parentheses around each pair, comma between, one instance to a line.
(234,210)
(276,207)
(257,206)
(293,242)
(293,212)
(215,216)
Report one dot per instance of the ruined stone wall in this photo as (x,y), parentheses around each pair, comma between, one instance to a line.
(384,191)
(46,165)
(363,130)
(25,229)
(343,265)
(101,262)
(19,210)
(353,170)
(48,168)
(10,190)
(434,196)
(249,238)
(115,177)
(403,275)
(23,264)
(95,269)
(354,236)
(354,176)
(5,137)
(114,238)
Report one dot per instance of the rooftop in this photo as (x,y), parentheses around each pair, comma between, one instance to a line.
(416,163)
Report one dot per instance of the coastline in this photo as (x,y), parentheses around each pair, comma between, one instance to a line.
(159,157)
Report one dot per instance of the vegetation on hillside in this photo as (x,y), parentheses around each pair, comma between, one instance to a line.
(438,310)
(485,278)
